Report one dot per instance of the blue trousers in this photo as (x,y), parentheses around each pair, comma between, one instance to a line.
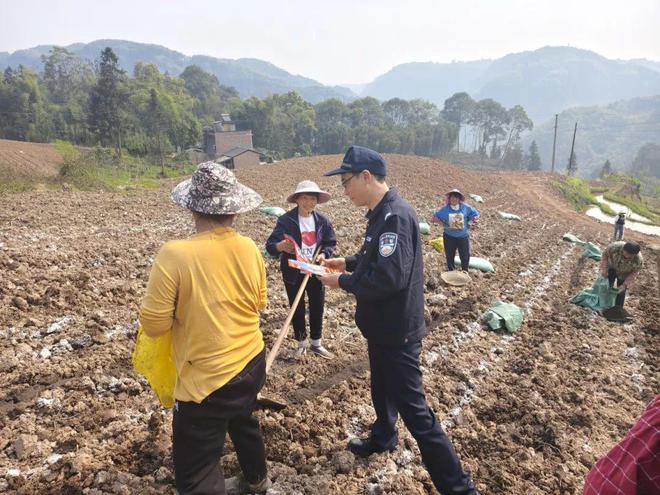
(396,388)
(463,246)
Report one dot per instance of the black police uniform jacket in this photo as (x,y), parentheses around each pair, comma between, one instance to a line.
(387,276)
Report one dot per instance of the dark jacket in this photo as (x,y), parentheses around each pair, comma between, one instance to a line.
(288,224)
(387,276)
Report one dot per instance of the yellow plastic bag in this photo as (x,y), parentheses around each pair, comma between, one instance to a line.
(438,244)
(152,358)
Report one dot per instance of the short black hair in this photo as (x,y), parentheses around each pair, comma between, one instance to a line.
(215,218)
(379,178)
(631,247)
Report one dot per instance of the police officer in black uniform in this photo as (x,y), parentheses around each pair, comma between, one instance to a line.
(387,279)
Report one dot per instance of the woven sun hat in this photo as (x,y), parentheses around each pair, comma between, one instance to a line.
(214,190)
(309,187)
(455,278)
(448,194)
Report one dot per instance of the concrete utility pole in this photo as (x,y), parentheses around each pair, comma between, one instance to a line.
(554,143)
(570,158)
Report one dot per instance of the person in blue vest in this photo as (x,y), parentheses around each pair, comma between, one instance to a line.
(386,277)
(311,230)
(456,216)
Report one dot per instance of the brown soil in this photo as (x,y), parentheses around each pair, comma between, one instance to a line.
(528,413)
(33,160)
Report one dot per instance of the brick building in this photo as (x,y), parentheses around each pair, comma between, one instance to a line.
(223,137)
(239,157)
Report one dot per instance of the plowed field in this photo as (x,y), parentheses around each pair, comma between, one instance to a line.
(528,413)
(35,160)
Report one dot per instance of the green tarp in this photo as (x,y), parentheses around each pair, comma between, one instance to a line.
(424,228)
(572,238)
(600,296)
(476,198)
(590,249)
(275,211)
(477,263)
(509,216)
(505,316)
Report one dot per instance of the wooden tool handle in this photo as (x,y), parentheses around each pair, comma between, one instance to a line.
(280,337)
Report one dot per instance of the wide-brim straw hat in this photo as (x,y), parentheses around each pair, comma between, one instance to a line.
(309,187)
(454,191)
(455,278)
(214,190)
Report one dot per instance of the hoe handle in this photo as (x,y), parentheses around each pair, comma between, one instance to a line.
(280,336)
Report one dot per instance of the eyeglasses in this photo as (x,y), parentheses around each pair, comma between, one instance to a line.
(344,182)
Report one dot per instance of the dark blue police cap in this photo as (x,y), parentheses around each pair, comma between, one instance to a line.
(359,158)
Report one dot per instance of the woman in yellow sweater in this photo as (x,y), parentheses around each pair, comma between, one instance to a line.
(208,290)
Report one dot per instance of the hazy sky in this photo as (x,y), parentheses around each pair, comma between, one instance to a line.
(342,41)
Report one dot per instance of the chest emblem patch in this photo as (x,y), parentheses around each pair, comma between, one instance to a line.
(387,244)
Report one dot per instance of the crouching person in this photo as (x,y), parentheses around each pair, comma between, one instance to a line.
(208,290)
(621,263)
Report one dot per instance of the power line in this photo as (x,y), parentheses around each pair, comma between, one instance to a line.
(654,125)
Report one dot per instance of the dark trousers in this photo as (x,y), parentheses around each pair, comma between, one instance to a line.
(396,388)
(316,297)
(618,231)
(612,276)
(199,431)
(463,246)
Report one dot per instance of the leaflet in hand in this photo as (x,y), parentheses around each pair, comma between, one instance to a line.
(309,267)
(299,256)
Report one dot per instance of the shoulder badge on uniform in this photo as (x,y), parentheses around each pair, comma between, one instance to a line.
(387,244)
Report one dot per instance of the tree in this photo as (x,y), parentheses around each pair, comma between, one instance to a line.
(518,122)
(23,113)
(157,122)
(281,123)
(181,127)
(647,161)
(495,152)
(533,160)
(606,170)
(254,114)
(333,132)
(457,110)
(396,112)
(107,99)
(367,118)
(211,98)
(65,74)
(490,117)
(67,80)
(513,159)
